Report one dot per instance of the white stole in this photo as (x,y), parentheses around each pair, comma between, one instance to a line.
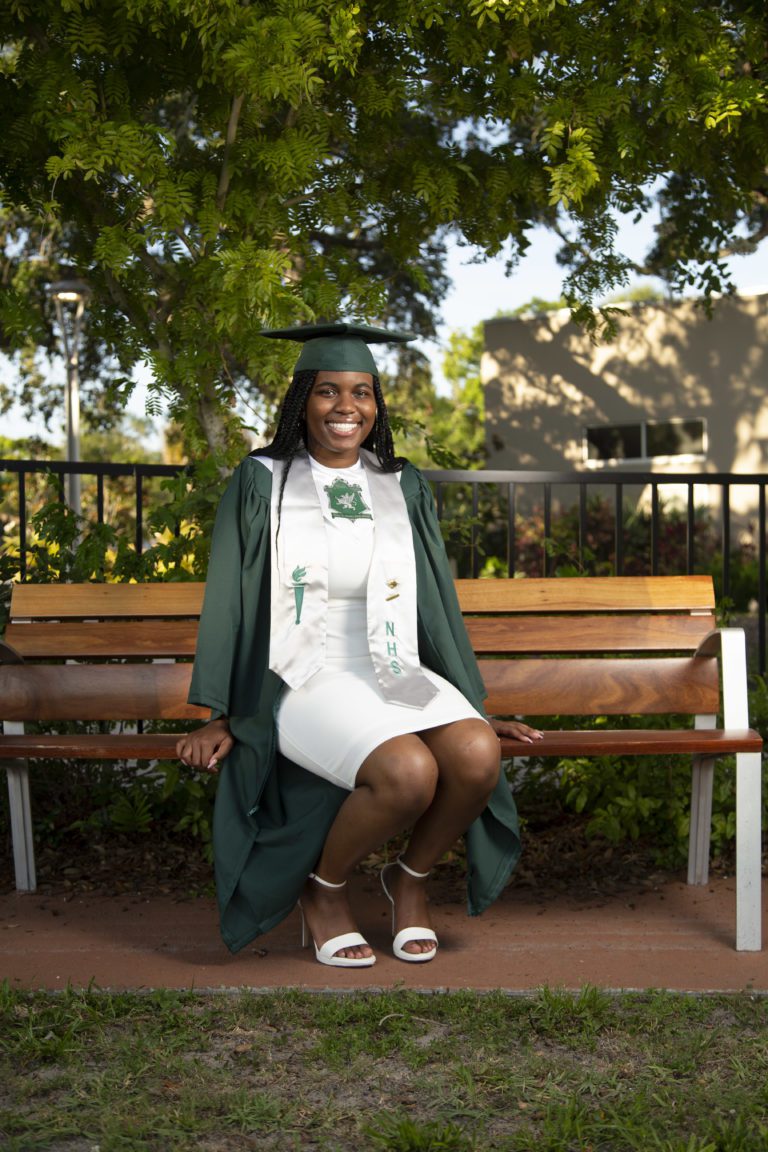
(299,601)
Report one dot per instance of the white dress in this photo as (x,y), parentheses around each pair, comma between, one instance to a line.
(339,716)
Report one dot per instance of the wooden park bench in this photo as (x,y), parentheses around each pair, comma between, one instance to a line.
(616,646)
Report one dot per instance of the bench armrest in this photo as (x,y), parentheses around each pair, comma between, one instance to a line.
(730,645)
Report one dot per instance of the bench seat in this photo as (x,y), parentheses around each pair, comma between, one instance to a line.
(640,742)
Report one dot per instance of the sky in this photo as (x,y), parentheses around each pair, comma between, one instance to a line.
(481,291)
(478,293)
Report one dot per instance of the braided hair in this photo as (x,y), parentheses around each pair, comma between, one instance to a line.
(291,434)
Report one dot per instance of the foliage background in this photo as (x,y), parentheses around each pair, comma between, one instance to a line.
(211,167)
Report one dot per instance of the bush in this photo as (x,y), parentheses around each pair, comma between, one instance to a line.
(567,551)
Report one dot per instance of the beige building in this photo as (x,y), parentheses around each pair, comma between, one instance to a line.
(674,392)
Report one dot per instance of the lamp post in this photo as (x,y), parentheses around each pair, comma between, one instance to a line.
(70,298)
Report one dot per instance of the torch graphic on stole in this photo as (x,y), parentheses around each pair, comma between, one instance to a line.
(298,576)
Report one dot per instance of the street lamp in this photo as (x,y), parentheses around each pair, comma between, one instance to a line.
(70,298)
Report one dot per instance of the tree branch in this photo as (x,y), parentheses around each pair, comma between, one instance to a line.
(225,176)
(152,265)
(746,246)
(137,316)
(586,254)
(193,251)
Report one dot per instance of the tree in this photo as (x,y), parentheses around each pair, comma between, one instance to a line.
(461,416)
(536,306)
(214,166)
(639,294)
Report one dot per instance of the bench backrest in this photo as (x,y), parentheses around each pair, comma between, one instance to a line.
(104,621)
(622,645)
(41,692)
(645,630)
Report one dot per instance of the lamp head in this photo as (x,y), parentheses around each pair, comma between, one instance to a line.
(69,291)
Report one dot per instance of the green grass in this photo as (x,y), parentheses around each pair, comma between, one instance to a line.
(383,1072)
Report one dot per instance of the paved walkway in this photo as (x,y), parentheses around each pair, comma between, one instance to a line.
(673,937)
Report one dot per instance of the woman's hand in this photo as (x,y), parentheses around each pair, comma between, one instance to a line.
(515,730)
(206,746)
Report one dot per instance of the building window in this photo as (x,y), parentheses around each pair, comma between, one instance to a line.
(646,440)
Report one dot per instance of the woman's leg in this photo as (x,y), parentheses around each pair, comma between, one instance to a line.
(469,761)
(437,782)
(396,783)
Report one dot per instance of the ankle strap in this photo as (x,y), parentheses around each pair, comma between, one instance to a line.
(410,871)
(326,883)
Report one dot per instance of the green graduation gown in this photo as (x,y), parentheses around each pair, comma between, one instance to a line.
(271,817)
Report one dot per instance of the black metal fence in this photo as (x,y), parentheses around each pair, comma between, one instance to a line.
(520,489)
(491,513)
(722,533)
(55,471)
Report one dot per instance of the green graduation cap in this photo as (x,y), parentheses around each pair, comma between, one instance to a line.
(337,347)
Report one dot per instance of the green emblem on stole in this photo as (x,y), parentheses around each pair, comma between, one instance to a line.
(346,501)
(298,576)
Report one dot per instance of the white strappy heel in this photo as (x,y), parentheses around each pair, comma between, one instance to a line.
(407,935)
(326,953)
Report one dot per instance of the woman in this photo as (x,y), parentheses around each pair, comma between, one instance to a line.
(346,702)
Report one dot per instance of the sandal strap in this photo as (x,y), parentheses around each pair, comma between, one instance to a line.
(408,935)
(326,883)
(410,871)
(339,943)
(405,936)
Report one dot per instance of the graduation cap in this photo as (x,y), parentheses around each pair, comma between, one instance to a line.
(337,347)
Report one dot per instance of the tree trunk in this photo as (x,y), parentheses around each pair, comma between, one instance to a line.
(213,422)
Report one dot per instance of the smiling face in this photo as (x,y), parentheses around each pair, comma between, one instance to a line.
(340,415)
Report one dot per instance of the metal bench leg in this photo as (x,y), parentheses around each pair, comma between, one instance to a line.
(21,825)
(748,852)
(702,778)
(748,794)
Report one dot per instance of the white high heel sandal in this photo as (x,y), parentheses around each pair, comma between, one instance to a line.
(407,935)
(326,953)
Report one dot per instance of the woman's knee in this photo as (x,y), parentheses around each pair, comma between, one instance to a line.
(475,759)
(403,773)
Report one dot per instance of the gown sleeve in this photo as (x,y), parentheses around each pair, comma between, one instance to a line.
(233,628)
(443,642)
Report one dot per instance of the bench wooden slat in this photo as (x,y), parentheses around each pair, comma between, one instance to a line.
(637,741)
(588,594)
(601,687)
(83,601)
(115,746)
(70,640)
(581,594)
(648,741)
(541,634)
(43,692)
